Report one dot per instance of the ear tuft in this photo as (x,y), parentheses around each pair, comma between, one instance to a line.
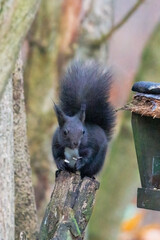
(61,117)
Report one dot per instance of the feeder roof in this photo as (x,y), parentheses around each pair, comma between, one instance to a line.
(146,87)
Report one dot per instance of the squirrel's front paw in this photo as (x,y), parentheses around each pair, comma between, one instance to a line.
(79,164)
(62,165)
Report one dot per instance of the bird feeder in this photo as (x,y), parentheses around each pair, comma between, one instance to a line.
(145,109)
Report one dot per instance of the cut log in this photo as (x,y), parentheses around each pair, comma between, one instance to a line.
(70,207)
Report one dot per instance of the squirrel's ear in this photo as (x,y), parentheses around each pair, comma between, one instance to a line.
(61,117)
(81,115)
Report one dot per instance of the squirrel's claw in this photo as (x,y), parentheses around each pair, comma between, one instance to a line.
(61,165)
(79,164)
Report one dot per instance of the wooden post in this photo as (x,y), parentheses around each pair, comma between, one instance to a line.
(70,207)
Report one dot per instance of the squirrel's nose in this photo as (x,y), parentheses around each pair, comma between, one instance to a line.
(75,144)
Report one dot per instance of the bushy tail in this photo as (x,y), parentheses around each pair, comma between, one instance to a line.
(88,83)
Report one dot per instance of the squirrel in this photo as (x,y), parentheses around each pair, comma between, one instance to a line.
(86,119)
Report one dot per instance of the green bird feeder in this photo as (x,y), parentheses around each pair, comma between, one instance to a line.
(145,109)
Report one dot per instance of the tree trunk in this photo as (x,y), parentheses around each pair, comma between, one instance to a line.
(6,165)
(25,209)
(96,20)
(70,207)
(15,19)
(92,20)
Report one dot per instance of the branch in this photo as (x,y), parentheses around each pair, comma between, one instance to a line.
(70,207)
(120,23)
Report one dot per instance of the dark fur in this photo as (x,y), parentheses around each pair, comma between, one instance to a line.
(86,115)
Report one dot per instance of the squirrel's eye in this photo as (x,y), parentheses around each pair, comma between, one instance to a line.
(83,132)
(65,132)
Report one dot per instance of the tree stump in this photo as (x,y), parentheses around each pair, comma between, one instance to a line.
(70,207)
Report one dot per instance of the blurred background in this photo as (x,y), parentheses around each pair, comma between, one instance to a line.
(67,29)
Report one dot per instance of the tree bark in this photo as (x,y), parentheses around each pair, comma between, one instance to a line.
(70,207)
(6,165)
(25,209)
(15,19)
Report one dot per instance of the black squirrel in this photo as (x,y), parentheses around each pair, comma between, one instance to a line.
(86,119)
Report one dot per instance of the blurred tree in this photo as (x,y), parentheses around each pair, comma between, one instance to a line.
(149,69)
(15,19)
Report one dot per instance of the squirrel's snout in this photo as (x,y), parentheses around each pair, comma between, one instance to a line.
(74,145)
